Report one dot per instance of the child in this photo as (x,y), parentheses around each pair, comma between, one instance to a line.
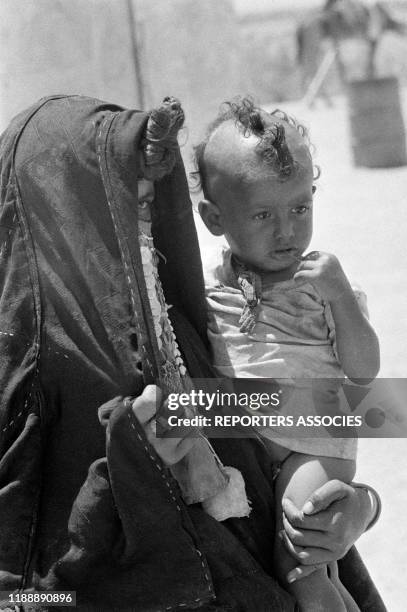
(275,313)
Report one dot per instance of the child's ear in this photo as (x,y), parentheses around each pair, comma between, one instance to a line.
(211,216)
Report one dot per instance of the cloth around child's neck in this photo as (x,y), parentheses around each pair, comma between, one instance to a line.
(250,285)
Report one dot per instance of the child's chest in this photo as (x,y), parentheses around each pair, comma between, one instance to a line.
(287,313)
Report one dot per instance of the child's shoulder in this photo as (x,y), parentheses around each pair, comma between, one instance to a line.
(219,272)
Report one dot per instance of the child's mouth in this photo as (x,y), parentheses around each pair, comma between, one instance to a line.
(285,252)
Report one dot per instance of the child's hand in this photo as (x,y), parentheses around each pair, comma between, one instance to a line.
(325,272)
(170,450)
(357,346)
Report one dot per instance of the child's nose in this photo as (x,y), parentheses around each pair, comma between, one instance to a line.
(284,229)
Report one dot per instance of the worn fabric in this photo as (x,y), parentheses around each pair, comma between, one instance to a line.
(291,342)
(79,509)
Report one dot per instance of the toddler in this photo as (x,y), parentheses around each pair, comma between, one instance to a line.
(278,313)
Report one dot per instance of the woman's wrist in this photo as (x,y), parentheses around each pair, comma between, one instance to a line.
(374,501)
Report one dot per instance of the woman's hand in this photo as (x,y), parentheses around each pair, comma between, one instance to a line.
(329,523)
(170,449)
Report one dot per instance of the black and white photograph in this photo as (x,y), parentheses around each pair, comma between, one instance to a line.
(203,305)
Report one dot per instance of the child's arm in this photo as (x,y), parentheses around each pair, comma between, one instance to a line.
(356,341)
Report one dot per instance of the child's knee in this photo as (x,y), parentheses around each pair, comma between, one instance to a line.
(301,475)
(339,469)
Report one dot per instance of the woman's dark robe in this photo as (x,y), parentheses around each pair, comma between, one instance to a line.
(81,510)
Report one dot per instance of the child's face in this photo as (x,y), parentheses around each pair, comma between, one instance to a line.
(267,222)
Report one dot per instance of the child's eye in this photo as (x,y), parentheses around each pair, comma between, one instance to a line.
(143,204)
(301,210)
(314,188)
(262,215)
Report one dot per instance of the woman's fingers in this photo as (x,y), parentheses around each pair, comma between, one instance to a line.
(184,446)
(172,450)
(302,571)
(145,405)
(329,493)
(172,443)
(316,522)
(309,555)
(306,537)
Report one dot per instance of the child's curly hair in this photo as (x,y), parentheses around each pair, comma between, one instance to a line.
(272,146)
(160,145)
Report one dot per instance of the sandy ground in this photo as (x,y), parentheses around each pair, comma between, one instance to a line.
(361,216)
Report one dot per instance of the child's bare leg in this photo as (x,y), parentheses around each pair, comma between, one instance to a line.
(300,476)
(346,596)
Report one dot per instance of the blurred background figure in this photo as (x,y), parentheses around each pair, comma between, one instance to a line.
(321,34)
